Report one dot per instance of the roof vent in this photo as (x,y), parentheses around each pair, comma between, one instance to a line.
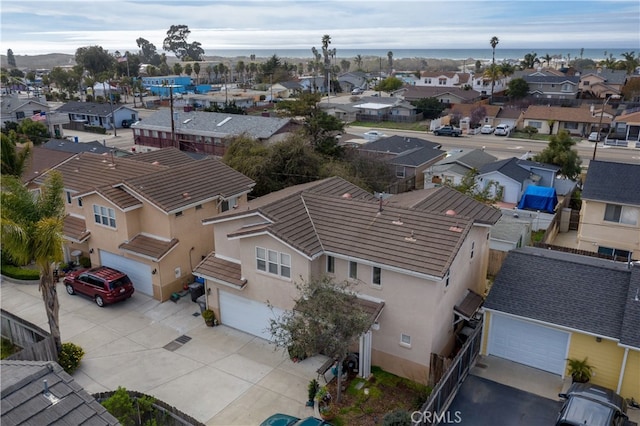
(397,222)
(222,123)
(411,238)
(156,163)
(346,196)
(450,213)
(186,195)
(455,228)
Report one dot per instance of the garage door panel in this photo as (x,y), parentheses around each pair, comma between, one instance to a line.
(247,315)
(528,343)
(139,273)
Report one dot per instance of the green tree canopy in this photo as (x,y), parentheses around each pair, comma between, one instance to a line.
(14,161)
(518,88)
(560,152)
(176,42)
(95,60)
(389,84)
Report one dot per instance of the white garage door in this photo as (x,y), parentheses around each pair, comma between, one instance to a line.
(139,273)
(528,343)
(247,315)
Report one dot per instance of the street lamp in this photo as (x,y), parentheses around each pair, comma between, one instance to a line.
(606,101)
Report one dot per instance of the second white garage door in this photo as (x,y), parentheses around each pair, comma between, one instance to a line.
(139,273)
(528,343)
(247,315)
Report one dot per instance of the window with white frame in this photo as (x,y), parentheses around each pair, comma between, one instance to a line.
(376,279)
(536,124)
(104,216)
(621,214)
(331,264)
(400,172)
(353,270)
(273,262)
(405,340)
(229,204)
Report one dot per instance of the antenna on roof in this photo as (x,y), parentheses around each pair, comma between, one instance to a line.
(637,298)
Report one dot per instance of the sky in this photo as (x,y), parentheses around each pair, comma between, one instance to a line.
(48,26)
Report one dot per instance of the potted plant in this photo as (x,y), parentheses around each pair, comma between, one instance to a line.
(580,370)
(312,389)
(209,317)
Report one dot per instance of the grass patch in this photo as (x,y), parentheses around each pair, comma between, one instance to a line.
(8,349)
(537,236)
(537,137)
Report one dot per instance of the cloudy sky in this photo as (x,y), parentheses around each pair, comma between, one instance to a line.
(48,26)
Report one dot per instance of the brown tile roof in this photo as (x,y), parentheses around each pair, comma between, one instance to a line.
(420,92)
(167,157)
(632,118)
(149,247)
(220,271)
(443,199)
(75,229)
(41,160)
(373,309)
(466,109)
(118,196)
(188,184)
(575,115)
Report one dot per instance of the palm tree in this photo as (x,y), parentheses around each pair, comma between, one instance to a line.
(358,61)
(547,59)
(493,42)
(630,61)
(14,162)
(530,60)
(326,52)
(32,230)
(196,69)
(492,73)
(390,61)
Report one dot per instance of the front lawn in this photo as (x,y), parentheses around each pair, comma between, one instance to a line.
(537,136)
(420,126)
(366,402)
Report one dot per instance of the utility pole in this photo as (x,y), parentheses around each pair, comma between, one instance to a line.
(113,119)
(173,126)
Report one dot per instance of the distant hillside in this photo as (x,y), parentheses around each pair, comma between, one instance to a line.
(48,61)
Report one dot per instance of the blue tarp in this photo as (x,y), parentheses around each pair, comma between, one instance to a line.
(539,198)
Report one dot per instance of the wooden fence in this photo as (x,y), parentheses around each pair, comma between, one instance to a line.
(36,344)
(496,258)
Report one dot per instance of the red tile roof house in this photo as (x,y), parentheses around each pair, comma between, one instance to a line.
(142,214)
(412,260)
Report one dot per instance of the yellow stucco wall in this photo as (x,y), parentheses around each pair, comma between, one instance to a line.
(631,383)
(605,357)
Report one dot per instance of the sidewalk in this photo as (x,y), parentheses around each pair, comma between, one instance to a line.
(219,375)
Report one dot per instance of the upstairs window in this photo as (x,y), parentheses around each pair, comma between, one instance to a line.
(621,214)
(104,216)
(273,262)
(353,270)
(331,264)
(377,276)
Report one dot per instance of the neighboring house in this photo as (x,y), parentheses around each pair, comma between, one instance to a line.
(546,307)
(510,178)
(65,145)
(142,214)
(409,156)
(345,112)
(627,127)
(375,108)
(510,233)
(466,110)
(40,161)
(97,114)
(602,83)
(549,120)
(242,100)
(455,166)
(610,213)
(353,80)
(313,84)
(444,79)
(446,95)
(207,132)
(15,109)
(542,85)
(508,115)
(42,393)
(410,265)
(285,89)
(483,84)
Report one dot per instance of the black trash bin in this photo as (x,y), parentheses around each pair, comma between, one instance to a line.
(196,290)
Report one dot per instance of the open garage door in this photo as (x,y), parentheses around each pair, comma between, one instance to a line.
(247,315)
(528,343)
(139,273)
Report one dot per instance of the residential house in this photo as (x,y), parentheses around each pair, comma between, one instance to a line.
(409,156)
(39,162)
(467,110)
(446,95)
(16,108)
(508,115)
(345,112)
(455,166)
(375,108)
(142,214)
(285,89)
(95,114)
(546,307)
(610,213)
(444,79)
(242,100)
(313,84)
(353,80)
(626,127)
(601,83)
(410,266)
(482,84)
(65,145)
(207,132)
(510,233)
(543,85)
(550,120)
(42,393)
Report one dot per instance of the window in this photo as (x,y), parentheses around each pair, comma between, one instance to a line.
(273,262)
(473,247)
(331,264)
(104,216)
(178,214)
(572,126)
(377,276)
(68,197)
(353,270)
(447,279)
(536,124)
(585,83)
(400,173)
(405,340)
(19,115)
(621,214)
(229,204)
(199,207)
(80,202)
(442,81)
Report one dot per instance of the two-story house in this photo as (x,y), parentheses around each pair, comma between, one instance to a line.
(411,263)
(610,214)
(142,214)
(543,85)
(602,83)
(444,79)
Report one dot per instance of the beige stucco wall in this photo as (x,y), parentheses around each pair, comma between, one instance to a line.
(594,231)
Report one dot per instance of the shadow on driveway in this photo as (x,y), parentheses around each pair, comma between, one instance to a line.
(481,402)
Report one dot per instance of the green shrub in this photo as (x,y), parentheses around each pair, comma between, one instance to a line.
(20,273)
(95,129)
(121,406)
(397,418)
(8,349)
(70,357)
(85,262)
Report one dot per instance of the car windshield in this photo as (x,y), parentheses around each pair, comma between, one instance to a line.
(120,282)
(585,411)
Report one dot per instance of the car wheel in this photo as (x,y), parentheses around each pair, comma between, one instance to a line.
(436,133)
(99,301)
(70,289)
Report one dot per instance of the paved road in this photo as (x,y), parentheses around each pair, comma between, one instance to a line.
(481,402)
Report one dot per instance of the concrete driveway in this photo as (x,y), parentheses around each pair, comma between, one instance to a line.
(482,402)
(219,376)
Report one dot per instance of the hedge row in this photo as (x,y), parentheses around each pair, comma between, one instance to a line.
(20,273)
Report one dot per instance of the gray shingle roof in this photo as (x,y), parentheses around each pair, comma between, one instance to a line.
(578,292)
(89,108)
(508,167)
(214,124)
(24,401)
(68,146)
(417,157)
(398,144)
(612,182)
(471,159)
(551,79)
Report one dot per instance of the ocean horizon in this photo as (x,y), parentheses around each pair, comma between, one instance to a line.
(456,54)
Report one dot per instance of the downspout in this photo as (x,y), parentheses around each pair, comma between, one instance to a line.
(622,368)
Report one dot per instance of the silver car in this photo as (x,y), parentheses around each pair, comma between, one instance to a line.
(502,130)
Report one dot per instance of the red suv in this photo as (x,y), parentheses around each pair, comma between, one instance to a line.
(103,284)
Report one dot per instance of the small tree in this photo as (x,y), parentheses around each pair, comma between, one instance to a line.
(530,131)
(477,116)
(326,318)
(559,152)
(518,88)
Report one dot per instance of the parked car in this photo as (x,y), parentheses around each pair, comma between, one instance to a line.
(357,91)
(594,137)
(373,135)
(103,284)
(588,404)
(487,129)
(287,420)
(502,130)
(127,123)
(447,131)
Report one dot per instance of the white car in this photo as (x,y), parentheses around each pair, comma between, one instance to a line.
(357,91)
(373,135)
(502,130)
(594,137)
(487,129)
